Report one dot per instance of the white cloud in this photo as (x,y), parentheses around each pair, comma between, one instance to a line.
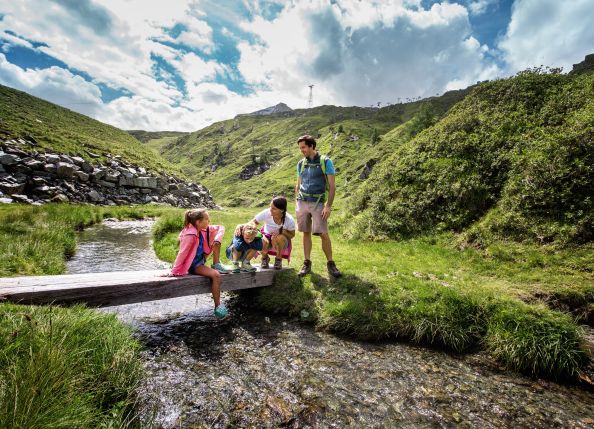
(53,84)
(362,52)
(479,7)
(548,32)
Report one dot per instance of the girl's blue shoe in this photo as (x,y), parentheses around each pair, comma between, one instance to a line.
(221,312)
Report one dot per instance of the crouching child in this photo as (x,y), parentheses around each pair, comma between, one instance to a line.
(247,242)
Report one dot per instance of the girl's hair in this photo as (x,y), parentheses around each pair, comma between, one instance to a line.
(193,215)
(250,229)
(280,203)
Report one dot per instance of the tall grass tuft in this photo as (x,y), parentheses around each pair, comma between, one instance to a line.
(535,340)
(65,368)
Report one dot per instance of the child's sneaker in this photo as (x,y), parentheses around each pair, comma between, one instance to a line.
(247,267)
(265,264)
(220,268)
(221,312)
(235,269)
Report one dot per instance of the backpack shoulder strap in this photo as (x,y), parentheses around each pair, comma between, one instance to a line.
(323,159)
(300,165)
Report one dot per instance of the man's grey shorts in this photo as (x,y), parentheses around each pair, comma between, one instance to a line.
(309,217)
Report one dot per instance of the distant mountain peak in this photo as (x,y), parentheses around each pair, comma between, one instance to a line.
(279,108)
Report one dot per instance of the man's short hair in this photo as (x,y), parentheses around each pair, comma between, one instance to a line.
(308,140)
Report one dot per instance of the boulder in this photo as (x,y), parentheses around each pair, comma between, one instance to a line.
(33,164)
(112,176)
(51,168)
(94,196)
(60,198)
(82,176)
(8,159)
(12,188)
(19,198)
(64,169)
(51,158)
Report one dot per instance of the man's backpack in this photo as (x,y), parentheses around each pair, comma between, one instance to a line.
(301,166)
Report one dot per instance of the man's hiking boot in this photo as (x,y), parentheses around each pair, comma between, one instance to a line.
(332,270)
(278,263)
(265,263)
(305,269)
(247,267)
(220,268)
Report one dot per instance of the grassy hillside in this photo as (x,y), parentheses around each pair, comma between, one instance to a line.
(156,140)
(217,155)
(514,159)
(61,130)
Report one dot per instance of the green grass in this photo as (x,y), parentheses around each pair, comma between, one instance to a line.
(428,291)
(61,130)
(66,368)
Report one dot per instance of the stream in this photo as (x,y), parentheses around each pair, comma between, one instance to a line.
(263,371)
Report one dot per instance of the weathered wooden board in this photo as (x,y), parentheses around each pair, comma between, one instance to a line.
(117,288)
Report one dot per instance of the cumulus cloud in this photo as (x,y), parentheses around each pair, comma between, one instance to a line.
(548,32)
(53,84)
(364,52)
(479,7)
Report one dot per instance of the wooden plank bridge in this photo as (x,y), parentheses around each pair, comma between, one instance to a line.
(121,287)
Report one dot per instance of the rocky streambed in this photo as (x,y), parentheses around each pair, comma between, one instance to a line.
(264,371)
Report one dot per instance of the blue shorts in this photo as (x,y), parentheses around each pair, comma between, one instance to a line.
(196,264)
(242,247)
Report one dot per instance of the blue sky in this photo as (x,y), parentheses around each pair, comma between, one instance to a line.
(183,64)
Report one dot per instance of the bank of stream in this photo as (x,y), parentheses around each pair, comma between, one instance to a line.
(259,370)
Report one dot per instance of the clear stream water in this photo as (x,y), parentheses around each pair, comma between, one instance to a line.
(258,370)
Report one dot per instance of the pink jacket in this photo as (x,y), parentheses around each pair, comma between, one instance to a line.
(188,244)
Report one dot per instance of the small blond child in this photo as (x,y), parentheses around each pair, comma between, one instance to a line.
(247,241)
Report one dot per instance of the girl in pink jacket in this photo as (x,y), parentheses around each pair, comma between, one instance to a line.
(197,240)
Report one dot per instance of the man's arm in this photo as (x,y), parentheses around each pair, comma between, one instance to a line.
(331,192)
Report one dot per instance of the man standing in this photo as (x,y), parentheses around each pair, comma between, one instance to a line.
(314,192)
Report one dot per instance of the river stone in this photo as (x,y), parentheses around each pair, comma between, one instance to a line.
(5,200)
(64,169)
(2,170)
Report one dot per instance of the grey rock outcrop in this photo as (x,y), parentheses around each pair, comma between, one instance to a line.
(28,176)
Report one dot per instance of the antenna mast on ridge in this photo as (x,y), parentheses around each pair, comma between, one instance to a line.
(310,99)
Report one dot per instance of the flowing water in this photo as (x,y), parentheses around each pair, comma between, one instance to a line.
(258,370)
